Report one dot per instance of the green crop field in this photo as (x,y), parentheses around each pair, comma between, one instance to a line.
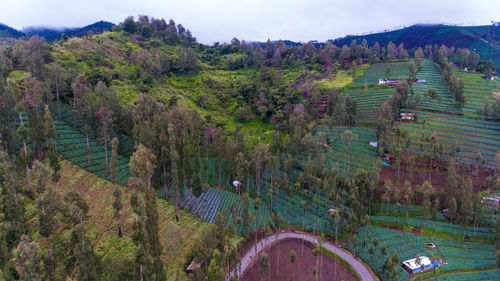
(473,136)
(438,226)
(72,145)
(362,155)
(376,71)
(369,104)
(476,90)
(434,80)
(459,256)
(486,275)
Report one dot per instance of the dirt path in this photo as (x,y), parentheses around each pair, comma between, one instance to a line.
(363,271)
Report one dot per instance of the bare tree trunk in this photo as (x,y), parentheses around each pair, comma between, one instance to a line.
(13,186)
(218,173)
(169,263)
(48,258)
(140,270)
(88,147)
(28,175)
(74,112)
(176,206)
(57,97)
(348,160)
(119,227)
(12,69)
(165,181)
(106,149)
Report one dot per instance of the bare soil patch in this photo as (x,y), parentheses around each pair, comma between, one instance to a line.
(302,269)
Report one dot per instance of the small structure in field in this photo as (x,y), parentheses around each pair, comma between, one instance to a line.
(236,185)
(407,116)
(191,268)
(491,200)
(415,265)
(374,143)
(332,212)
(430,245)
(388,82)
(420,81)
(323,144)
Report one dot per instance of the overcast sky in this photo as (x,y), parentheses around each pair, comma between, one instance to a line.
(221,20)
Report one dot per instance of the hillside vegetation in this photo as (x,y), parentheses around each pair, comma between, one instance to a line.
(134,153)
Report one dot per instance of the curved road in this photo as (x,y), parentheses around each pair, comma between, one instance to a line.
(363,271)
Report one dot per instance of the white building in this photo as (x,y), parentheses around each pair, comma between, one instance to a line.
(414,265)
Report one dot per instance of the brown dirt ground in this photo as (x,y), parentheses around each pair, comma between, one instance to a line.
(301,269)
(438,176)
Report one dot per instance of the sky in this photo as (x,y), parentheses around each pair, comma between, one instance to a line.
(255,20)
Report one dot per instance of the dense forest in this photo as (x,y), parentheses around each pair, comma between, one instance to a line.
(164,119)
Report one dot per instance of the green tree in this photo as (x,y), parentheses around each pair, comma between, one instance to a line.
(293,258)
(27,259)
(349,140)
(114,160)
(142,164)
(106,116)
(117,206)
(264,265)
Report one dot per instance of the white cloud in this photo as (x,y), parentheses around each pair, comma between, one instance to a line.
(220,20)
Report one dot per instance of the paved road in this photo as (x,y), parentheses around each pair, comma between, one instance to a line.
(363,271)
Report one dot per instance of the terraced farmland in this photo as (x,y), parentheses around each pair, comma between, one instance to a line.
(439,226)
(72,145)
(314,216)
(476,90)
(460,256)
(215,201)
(486,275)
(362,154)
(434,80)
(473,136)
(101,226)
(369,104)
(126,144)
(376,71)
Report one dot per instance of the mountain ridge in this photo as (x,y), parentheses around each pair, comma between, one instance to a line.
(52,34)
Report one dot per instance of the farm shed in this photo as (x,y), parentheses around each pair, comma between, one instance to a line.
(191,267)
(374,143)
(388,82)
(419,81)
(491,200)
(414,265)
(332,211)
(407,116)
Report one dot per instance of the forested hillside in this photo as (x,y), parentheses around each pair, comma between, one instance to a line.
(130,154)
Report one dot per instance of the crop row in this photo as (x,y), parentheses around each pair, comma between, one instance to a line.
(458,255)
(376,71)
(439,226)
